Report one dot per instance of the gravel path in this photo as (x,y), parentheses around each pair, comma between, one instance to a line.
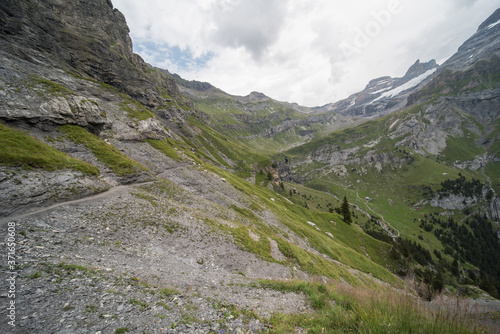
(128,260)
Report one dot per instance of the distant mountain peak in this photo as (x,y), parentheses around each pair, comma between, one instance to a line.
(258,95)
(254,97)
(419,68)
(385,94)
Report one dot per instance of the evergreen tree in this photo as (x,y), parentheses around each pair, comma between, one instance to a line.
(346,213)
(454,268)
(486,284)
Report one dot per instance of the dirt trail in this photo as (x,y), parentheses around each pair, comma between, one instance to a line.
(110,192)
(384,224)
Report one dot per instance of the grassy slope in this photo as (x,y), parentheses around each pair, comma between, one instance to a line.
(339,308)
(227,114)
(212,143)
(211,147)
(294,218)
(335,307)
(350,246)
(394,192)
(360,307)
(20,149)
(166,146)
(346,247)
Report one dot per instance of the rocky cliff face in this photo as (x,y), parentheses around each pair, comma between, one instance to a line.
(417,69)
(71,63)
(483,45)
(89,38)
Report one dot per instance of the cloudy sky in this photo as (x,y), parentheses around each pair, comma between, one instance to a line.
(309,52)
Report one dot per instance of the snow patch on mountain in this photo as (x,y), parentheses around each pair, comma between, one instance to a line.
(493,24)
(380,91)
(410,84)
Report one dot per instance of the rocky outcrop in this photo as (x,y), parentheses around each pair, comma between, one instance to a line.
(27,96)
(341,162)
(146,129)
(491,206)
(292,123)
(152,129)
(494,210)
(471,86)
(22,189)
(417,69)
(453,202)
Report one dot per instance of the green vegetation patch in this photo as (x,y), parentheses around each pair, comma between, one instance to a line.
(214,142)
(167,292)
(347,250)
(165,147)
(339,308)
(119,163)
(261,248)
(462,148)
(49,87)
(19,149)
(134,109)
(261,179)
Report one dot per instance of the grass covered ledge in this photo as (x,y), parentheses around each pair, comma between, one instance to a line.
(119,163)
(20,149)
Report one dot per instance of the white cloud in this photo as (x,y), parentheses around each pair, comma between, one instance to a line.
(254,25)
(295,50)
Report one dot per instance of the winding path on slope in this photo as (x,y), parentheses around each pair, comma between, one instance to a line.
(113,190)
(384,224)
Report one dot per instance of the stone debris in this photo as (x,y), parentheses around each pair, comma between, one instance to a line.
(116,261)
